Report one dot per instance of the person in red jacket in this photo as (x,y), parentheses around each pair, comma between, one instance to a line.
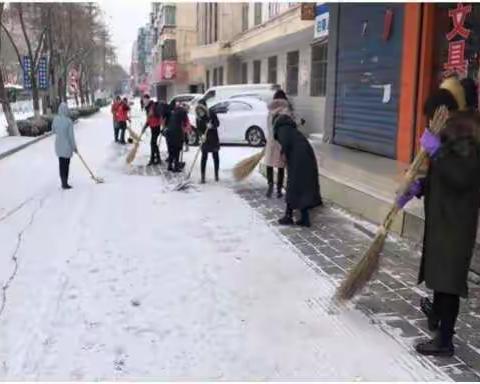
(154,122)
(115,105)
(122,117)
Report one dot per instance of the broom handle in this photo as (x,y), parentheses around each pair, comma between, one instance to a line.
(86,166)
(198,152)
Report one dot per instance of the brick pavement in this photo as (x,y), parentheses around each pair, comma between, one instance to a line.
(336,241)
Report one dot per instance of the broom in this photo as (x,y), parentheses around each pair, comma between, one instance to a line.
(362,272)
(133,153)
(132,133)
(97,180)
(246,166)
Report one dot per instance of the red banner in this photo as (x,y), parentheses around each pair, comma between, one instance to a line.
(169,70)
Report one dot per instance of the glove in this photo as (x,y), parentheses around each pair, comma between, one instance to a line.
(430,142)
(415,189)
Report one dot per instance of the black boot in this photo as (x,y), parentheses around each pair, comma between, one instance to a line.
(279,192)
(436,347)
(269,191)
(287,219)
(427,308)
(304,220)
(202,181)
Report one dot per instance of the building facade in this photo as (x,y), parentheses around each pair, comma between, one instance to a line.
(384,61)
(265,43)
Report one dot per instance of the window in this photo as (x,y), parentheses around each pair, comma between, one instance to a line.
(273,9)
(257,67)
(244,17)
(169,15)
(258,13)
(292,72)
(244,73)
(169,50)
(318,80)
(215,22)
(236,106)
(272,69)
(220,76)
(207,79)
(215,77)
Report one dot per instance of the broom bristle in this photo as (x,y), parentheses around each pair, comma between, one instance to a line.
(362,272)
(246,166)
(133,153)
(134,135)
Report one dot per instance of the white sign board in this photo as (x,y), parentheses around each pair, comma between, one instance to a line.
(321,21)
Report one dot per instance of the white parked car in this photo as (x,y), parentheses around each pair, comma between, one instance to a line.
(223,92)
(242,120)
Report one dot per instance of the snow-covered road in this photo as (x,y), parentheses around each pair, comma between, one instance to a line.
(128,280)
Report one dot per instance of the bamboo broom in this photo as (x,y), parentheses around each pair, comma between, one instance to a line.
(133,153)
(245,167)
(133,134)
(362,272)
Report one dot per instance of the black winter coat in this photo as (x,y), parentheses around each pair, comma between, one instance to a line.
(452,200)
(212,143)
(303,188)
(174,133)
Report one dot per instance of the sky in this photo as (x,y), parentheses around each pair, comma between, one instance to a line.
(124,18)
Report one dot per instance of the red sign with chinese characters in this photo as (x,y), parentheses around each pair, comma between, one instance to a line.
(456,49)
(169,70)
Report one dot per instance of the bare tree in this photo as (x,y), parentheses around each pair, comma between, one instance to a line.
(12,128)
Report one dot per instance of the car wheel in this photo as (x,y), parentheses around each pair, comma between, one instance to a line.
(255,136)
(193,137)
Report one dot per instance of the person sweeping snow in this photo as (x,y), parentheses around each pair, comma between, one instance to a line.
(451,191)
(65,145)
(116,103)
(175,131)
(273,151)
(303,189)
(154,122)
(207,124)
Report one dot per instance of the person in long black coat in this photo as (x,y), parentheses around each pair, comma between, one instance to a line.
(207,126)
(177,119)
(303,188)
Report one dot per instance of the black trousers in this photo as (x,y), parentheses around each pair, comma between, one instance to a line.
(173,157)
(280,176)
(216,162)
(122,127)
(446,307)
(64,167)
(154,150)
(115,130)
(304,212)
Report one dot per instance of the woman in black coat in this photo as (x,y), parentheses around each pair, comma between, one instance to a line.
(207,127)
(177,119)
(303,189)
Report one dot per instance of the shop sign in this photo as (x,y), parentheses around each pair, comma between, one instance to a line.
(321,21)
(169,70)
(456,49)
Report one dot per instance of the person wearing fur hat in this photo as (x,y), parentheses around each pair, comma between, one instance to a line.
(273,157)
(207,126)
(303,188)
(451,191)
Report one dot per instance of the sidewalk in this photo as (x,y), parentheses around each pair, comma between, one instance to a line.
(336,241)
(11,144)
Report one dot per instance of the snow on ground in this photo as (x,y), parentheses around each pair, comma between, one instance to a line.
(130,280)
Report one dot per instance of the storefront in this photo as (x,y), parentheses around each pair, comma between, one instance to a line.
(387,59)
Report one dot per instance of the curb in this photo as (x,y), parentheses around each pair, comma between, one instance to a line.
(25,145)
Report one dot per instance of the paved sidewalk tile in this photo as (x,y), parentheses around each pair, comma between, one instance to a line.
(335,242)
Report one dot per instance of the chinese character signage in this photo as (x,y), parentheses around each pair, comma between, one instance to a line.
(42,73)
(456,62)
(169,70)
(27,72)
(321,21)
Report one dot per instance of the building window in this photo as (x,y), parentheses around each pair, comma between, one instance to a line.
(273,9)
(292,72)
(207,79)
(272,69)
(205,25)
(318,80)
(220,76)
(215,22)
(168,15)
(244,17)
(258,13)
(257,68)
(169,50)
(244,73)
(215,77)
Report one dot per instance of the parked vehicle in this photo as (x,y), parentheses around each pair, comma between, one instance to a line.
(265,95)
(185,97)
(222,92)
(242,120)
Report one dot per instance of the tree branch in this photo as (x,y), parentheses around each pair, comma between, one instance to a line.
(24,30)
(10,38)
(39,47)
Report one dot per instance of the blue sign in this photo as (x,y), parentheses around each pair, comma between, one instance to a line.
(27,72)
(42,73)
(321,21)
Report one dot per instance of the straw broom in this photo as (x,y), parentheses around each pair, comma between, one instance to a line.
(246,166)
(133,134)
(361,273)
(133,153)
